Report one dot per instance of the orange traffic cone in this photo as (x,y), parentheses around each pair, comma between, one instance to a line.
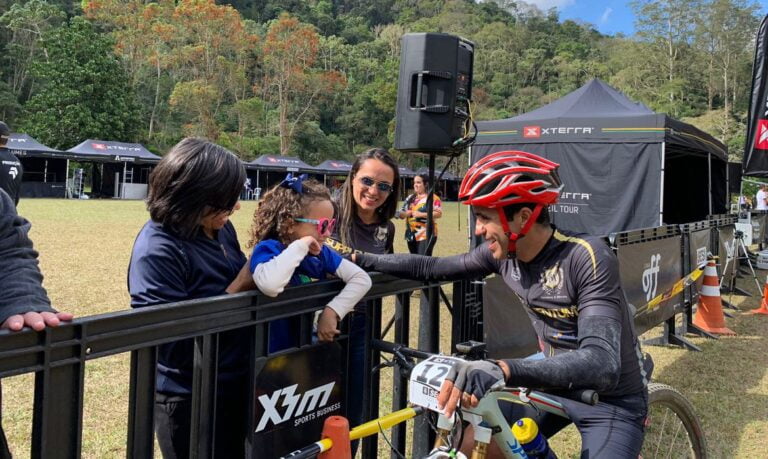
(336,428)
(763,309)
(709,312)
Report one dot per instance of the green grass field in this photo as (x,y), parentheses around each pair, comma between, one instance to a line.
(84,251)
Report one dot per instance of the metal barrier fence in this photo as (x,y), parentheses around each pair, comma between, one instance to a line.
(58,357)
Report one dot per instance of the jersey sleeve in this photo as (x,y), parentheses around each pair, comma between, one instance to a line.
(477,263)
(596,281)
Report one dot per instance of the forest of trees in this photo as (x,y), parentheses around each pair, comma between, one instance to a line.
(318,78)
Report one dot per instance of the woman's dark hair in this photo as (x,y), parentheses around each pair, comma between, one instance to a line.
(275,215)
(425,180)
(347,208)
(196,178)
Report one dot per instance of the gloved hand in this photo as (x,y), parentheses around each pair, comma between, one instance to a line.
(469,381)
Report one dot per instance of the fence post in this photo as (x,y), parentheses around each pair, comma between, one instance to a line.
(141,400)
(57,421)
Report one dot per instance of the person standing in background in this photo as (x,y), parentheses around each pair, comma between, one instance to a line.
(761,199)
(367,203)
(10,167)
(414,211)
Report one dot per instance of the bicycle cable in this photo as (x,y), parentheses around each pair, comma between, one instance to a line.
(391,447)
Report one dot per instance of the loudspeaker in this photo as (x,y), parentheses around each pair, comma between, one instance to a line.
(435,87)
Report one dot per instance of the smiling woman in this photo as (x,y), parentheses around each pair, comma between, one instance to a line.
(368,203)
(178,256)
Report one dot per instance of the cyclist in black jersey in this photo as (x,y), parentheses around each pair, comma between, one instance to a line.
(569,286)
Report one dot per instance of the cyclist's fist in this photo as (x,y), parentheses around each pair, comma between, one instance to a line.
(469,381)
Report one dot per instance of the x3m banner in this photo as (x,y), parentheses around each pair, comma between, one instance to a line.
(756,148)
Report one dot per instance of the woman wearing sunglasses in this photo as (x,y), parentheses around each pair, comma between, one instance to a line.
(289,229)
(365,209)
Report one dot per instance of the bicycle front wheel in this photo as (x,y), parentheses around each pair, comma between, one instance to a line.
(672,429)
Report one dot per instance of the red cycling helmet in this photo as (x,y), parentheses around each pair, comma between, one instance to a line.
(511,177)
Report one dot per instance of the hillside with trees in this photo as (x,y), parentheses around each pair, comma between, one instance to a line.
(318,78)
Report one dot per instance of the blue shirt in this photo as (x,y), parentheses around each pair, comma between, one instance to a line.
(311,267)
(284,333)
(165,268)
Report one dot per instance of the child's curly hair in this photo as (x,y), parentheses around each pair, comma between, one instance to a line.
(279,206)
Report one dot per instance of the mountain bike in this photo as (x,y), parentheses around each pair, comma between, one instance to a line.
(672,427)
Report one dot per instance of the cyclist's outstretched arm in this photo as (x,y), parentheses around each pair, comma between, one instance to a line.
(477,263)
(594,365)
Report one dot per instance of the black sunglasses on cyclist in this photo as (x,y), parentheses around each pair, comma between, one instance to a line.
(384,187)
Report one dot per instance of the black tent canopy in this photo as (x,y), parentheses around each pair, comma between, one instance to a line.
(109,151)
(624,166)
(112,175)
(276,163)
(45,168)
(334,167)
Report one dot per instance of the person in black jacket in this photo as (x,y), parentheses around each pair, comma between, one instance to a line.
(10,167)
(23,300)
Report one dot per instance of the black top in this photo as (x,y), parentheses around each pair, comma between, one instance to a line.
(375,238)
(10,174)
(572,294)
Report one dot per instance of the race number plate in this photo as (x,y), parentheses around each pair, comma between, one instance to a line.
(426,378)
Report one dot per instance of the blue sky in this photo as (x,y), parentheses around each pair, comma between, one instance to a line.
(608,16)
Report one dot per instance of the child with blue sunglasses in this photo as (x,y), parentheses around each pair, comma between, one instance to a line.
(288,233)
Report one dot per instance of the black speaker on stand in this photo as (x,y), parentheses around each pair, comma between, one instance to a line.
(434,92)
(433,115)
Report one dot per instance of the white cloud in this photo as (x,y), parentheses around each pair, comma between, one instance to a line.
(606,15)
(545,5)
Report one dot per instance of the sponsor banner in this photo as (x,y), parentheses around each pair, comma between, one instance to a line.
(699,245)
(726,253)
(756,149)
(294,393)
(648,269)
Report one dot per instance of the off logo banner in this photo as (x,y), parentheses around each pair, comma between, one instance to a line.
(648,269)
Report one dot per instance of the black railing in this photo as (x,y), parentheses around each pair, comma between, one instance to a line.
(58,358)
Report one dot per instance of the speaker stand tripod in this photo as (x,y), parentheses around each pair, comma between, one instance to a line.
(738,248)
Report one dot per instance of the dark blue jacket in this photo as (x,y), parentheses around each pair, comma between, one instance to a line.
(21,288)
(165,268)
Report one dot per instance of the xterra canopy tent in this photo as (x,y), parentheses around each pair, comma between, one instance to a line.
(623,165)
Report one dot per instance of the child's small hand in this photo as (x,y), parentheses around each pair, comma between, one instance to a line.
(314,246)
(327,325)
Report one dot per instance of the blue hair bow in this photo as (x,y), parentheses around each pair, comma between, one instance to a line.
(294,183)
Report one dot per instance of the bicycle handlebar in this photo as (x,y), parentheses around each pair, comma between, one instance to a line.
(400,352)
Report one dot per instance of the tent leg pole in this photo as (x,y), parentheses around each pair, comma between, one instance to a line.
(661,191)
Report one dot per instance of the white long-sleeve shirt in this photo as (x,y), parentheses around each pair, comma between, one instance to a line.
(272,276)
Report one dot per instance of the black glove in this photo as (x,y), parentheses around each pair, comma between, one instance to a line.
(476,377)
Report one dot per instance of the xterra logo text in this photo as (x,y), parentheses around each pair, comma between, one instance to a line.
(306,407)
(534,132)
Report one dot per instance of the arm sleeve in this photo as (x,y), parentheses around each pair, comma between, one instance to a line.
(594,365)
(272,276)
(358,284)
(157,272)
(477,263)
(21,288)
